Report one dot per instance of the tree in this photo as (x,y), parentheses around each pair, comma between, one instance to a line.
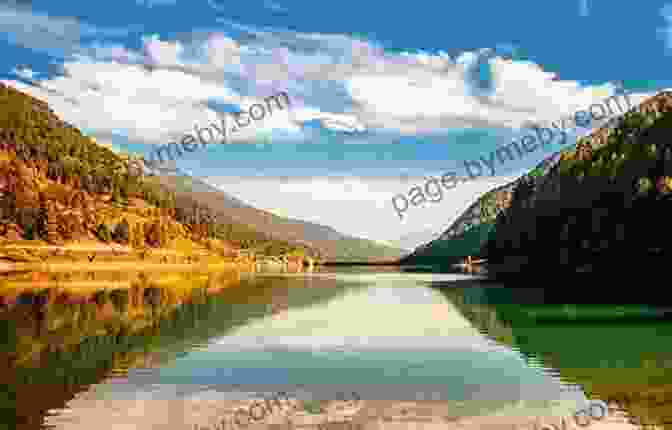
(644,184)
(121,232)
(103,233)
(52,225)
(163,234)
(116,194)
(122,184)
(29,233)
(153,235)
(42,222)
(138,236)
(212,230)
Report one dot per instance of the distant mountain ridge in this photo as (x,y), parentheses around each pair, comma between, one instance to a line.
(411,240)
(329,243)
(59,186)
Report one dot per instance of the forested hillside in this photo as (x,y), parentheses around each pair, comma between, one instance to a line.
(587,207)
(59,186)
(600,206)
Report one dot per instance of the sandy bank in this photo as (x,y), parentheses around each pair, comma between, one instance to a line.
(207,411)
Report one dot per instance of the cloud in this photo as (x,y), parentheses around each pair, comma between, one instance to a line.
(353,88)
(370,198)
(666,32)
(164,102)
(24,72)
(151,3)
(275,6)
(158,52)
(148,107)
(583,7)
(347,84)
(58,36)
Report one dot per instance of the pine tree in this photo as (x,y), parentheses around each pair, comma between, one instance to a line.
(116,195)
(153,235)
(52,225)
(42,221)
(103,233)
(163,235)
(139,235)
(29,233)
(121,232)
(132,235)
(123,187)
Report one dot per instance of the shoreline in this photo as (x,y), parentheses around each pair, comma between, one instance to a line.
(208,410)
(90,256)
(112,266)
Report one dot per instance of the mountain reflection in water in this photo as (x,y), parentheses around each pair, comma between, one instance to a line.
(383,335)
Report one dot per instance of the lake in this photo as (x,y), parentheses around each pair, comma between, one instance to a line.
(382,348)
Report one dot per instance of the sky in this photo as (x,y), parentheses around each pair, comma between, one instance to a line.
(383,95)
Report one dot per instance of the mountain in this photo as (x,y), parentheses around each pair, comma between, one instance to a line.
(580,209)
(468,232)
(329,244)
(411,240)
(600,207)
(59,186)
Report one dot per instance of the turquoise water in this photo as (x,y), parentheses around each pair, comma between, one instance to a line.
(382,336)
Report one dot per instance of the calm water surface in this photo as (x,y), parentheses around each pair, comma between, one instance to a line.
(382,335)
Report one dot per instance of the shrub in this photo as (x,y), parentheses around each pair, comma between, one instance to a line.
(121,232)
(652,153)
(103,233)
(644,184)
(566,166)
(29,232)
(664,185)
(313,407)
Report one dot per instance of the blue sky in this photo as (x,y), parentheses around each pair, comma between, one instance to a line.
(428,84)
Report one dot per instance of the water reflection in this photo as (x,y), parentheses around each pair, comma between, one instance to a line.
(618,353)
(62,332)
(386,337)
(181,337)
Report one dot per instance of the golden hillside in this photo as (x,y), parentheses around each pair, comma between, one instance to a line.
(59,187)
